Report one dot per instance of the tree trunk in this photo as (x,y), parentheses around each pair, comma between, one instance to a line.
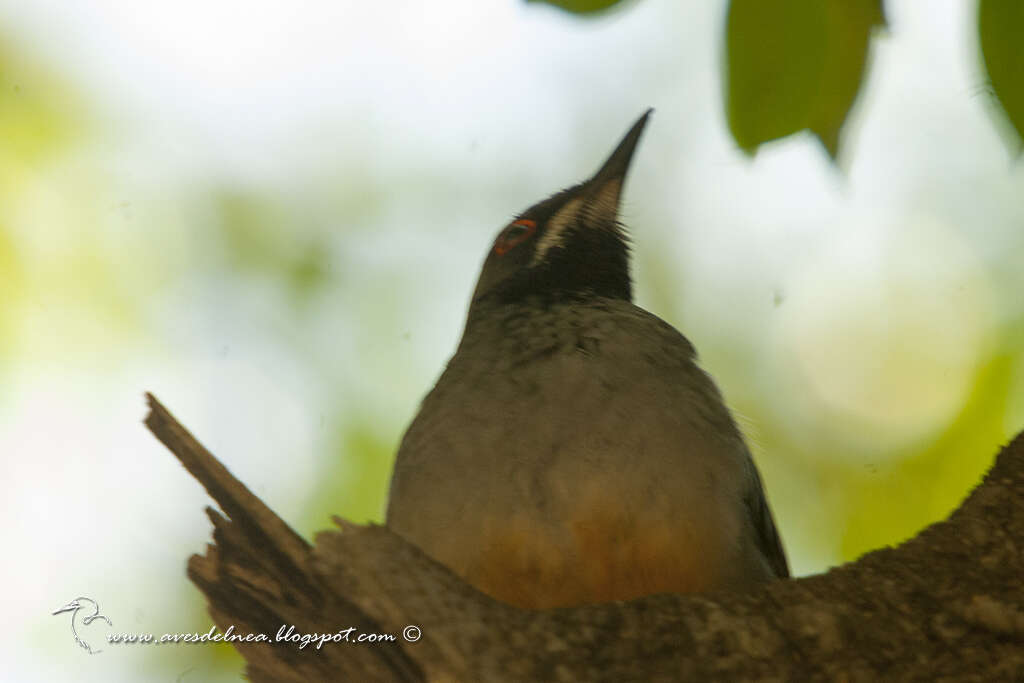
(945,605)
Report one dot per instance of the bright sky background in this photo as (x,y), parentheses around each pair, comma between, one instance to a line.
(874,294)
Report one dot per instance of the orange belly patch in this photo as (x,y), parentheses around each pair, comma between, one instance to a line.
(600,556)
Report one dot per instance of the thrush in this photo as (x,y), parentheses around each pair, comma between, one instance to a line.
(572,450)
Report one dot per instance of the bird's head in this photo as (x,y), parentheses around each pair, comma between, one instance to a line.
(568,246)
(71,606)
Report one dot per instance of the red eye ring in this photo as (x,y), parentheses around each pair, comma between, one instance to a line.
(514,235)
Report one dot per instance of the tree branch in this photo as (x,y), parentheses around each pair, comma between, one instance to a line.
(945,605)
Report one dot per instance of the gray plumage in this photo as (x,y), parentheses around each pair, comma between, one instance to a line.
(573,451)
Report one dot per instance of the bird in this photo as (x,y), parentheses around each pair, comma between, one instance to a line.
(573,451)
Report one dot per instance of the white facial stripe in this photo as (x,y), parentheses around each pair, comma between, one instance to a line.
(554,233)
(601,209)
(605,203)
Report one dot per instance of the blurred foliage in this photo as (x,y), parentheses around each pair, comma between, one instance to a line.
(39,119)
(355,477)
(258,236)
(12,282)
(1001,34)
(792,65)
(890,502)
(581,6)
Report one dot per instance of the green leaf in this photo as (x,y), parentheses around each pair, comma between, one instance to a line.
(1001,32)
(580,6)
(795,64)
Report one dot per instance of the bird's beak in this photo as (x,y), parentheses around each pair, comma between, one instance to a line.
(618,163)
(70,607)
(605,187)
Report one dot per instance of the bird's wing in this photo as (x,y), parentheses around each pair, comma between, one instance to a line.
(767,535)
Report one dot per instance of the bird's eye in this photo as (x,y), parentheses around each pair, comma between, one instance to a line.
(514,235)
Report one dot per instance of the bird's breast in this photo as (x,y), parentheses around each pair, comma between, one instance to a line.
(585,464)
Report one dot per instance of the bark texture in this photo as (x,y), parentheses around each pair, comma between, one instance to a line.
(947,605)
